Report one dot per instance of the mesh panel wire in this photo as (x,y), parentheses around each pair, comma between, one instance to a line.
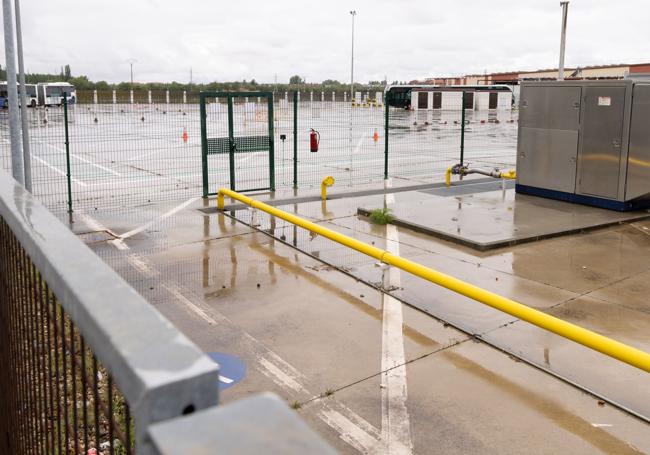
(491,138)
(348,149)
(133,148)
(57,396)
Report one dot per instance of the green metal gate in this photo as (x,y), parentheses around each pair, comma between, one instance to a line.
(237,126)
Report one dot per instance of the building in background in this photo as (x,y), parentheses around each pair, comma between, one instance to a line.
(513,78)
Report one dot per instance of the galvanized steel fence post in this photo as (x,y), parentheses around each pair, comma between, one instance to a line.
(27,161)
(295,139)
(67,151)
(17,169)
(462,129)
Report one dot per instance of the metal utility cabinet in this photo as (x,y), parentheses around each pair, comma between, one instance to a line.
(586,142)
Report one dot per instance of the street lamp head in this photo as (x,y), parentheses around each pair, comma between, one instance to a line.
(354,13)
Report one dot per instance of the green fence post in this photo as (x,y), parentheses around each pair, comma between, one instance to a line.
(271,143)
(204,144)
(231,142)
(295,139)
(386,125)
(462,130)
(67,151)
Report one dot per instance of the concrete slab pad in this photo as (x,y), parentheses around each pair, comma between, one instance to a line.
(580,263)
(619,382)
(496,219)
(472,399)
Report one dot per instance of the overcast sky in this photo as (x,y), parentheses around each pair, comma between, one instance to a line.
(402,39)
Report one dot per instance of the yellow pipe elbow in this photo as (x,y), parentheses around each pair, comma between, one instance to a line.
(511,174)
(327,181)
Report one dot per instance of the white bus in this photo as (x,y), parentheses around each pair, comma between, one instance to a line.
(51,93)
(32,99)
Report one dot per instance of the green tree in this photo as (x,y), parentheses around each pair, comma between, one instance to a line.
(67,74)
(296,80)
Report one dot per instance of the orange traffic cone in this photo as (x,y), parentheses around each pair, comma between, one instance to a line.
(184,135)
(375,137)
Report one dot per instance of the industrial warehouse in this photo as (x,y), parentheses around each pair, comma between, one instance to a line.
(205,250)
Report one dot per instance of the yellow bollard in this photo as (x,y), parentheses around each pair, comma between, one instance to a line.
(327,181)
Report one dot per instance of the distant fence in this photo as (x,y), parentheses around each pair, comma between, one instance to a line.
(122,149)
(88,364)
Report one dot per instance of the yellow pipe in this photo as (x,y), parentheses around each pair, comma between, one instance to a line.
(511,174)
(448,177)
(600,343)
(327,181)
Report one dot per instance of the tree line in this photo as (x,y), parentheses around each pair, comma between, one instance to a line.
(296,82)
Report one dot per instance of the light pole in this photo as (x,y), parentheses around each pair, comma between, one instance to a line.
(560,71)
(17,168)
(352,13)
(131,61)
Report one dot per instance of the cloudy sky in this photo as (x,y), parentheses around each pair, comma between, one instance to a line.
(401,39)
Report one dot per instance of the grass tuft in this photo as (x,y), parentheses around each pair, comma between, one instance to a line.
(296,405)
(381,216)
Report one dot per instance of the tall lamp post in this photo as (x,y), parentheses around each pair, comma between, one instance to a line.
(352,13)
(560,71)
(131,61)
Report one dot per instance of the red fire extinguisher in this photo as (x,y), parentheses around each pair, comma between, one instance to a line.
(314,140)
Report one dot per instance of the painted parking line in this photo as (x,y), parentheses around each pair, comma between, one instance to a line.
(57,170)
(395,426)
(77,157)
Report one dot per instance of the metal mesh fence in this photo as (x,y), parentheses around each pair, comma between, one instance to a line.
(130,148)
(491,138)
(422,143)
(58,396)
(48,160)
(350,141)
(130,154)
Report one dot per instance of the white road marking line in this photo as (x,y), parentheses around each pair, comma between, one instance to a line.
(349,431)
(280,377)
(99,166)
(119,244)
(165,215)
(395,427)
(74,155)
(140,265)
(93,224)
(57,170)
(351,427)
(599,425)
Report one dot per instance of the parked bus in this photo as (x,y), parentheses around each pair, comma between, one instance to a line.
(32,99)
(51,93)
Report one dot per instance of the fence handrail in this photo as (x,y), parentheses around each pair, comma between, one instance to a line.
(160,372)
(262,423)
(573,332)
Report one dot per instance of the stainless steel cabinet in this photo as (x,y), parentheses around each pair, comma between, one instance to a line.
(586,142)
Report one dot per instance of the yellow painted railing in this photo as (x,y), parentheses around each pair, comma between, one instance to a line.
(593,340)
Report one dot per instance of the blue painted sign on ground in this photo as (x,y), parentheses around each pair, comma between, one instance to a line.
(231,369)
